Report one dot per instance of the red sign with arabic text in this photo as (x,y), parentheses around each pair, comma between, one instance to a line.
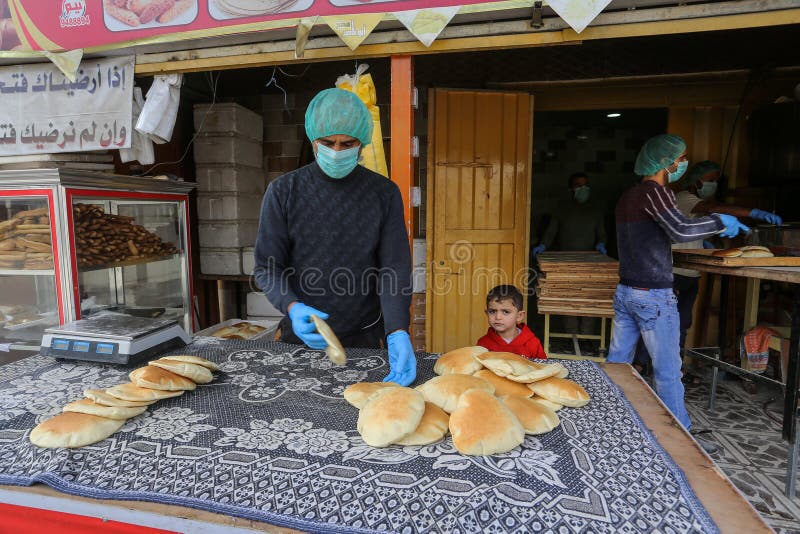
(73,24)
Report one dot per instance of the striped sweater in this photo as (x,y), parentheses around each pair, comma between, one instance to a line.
(648,222)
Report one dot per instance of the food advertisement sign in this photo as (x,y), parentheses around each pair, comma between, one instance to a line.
(89,24)
(44,112)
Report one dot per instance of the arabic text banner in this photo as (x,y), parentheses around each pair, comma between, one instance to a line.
(43,112)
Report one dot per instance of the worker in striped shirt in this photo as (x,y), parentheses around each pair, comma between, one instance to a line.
(648,222)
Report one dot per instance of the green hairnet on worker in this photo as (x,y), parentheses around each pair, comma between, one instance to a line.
(660,152)
(332,245)
(700,170)
(338,124)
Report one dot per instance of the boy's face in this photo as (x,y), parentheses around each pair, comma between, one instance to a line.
(504,317)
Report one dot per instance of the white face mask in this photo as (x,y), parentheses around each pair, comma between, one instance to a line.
(707,190)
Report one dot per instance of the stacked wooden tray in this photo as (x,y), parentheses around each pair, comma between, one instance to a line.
(576,283)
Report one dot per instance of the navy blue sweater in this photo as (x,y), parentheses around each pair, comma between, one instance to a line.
(339,246)
(648,222)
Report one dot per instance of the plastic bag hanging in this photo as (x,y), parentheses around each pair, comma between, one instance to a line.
(141,145)
(161,108)
(373,155)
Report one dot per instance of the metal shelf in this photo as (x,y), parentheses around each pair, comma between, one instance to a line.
(128,263)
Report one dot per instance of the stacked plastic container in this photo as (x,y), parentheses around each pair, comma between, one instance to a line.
(228,153)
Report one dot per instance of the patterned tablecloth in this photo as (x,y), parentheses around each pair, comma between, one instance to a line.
(272,439)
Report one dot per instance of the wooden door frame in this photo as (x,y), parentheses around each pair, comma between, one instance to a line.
(431,194)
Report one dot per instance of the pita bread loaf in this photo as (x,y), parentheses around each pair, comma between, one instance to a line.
(432,427)
(459,362)
(563,371)
(70,429)
(504,386)
(389,415)
(195,373)
(534,417)
(90,407)
(334,350)
(522,371)
(357,394)
(132,392)
(157,378)
(562,391)
(482,425)
(757,254)
(101,397)
(197,360)
(445,390)
(547,404)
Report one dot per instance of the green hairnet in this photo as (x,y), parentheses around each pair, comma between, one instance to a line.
(658,153)
(336,111)
(699,170)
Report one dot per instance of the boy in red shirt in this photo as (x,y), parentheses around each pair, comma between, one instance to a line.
(507,329)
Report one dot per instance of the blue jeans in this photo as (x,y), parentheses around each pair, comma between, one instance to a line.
(653,315)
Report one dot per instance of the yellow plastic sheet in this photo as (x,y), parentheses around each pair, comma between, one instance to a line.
(373,155)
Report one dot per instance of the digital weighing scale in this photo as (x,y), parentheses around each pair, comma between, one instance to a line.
(113,338)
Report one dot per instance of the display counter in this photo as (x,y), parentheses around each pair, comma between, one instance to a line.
(72,244)
(271,442)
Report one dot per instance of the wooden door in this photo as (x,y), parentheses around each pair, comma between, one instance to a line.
(478,208)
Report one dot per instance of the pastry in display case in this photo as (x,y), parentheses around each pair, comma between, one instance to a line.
(27,276)
(73,244)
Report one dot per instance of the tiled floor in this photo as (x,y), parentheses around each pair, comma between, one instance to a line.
(752,453)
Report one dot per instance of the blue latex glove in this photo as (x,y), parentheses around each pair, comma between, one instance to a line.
(535,251)
(601,248)
(708,244)
(732,225)
(761,215)
(300,314)
(402,362)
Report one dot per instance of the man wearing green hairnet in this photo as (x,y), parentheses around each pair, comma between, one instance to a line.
(648,222)
(332,242)
(697,199)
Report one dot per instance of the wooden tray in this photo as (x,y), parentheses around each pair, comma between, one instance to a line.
(703,256)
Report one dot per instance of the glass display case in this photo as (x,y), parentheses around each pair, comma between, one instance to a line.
(76,243)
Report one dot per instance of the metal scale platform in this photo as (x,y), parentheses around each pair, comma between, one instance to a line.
(113,338)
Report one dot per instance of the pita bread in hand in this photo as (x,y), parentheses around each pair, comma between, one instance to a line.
(90,407)
(334,350)
(357,394)
(389,415)
(70,429)
(482,425)
(459,361)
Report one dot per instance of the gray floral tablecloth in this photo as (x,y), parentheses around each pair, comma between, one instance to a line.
(271,439)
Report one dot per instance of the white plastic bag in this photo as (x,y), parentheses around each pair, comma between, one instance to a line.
(141,148)
(161,108)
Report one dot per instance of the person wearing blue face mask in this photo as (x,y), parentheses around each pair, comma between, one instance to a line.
(696,199)
(332,242)
(578,224)
(645,305)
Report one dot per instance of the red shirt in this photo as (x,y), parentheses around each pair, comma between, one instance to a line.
(525,344)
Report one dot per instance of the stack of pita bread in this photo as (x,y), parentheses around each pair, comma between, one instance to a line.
(103,412)
(487,400)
